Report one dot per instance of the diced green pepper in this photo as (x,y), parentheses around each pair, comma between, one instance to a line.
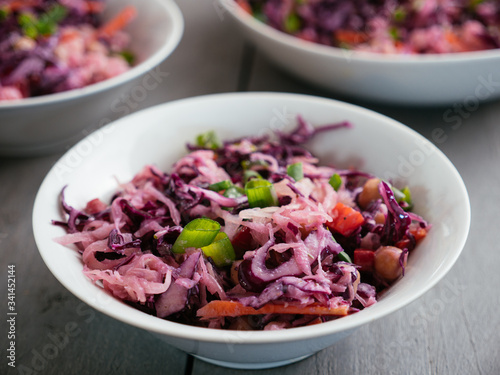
(335,181)
(197,233)
(260,193)
(344,257)
(295,171)
(220,250)
(221,185)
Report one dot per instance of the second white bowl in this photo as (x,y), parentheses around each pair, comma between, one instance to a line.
(50,123)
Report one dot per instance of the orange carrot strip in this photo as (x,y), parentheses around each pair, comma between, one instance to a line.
(94,6)
(118,22)
(350,36)
(455,41)
(245,6)
(68,35)
(21,4)
(217,309)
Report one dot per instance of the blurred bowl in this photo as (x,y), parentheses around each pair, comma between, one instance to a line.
(375,144)
(463,79)
(49,123)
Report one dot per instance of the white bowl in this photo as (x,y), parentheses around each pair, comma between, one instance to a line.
(49,123)
(460,79)
(376,144)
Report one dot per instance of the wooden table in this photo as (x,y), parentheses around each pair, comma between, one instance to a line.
(452,329)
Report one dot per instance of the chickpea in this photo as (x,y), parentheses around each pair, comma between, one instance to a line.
(379,218)
(369,193)
(24,44)
(234,272)
(387,264)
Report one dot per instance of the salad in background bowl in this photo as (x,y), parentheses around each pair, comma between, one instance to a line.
(51,46)
(64,64)
(390,27)
(408,53)
(374,144)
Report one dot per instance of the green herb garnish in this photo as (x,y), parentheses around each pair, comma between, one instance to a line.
(335,181)
(394,33)
(4,13)
(295,171)
(234,192)
(250,174)
(399,14)
(208,140)
(344,257)
(221,185)
(220,250)
(128,56)
(44,25)
(260,193)
(292,23)
(197,233)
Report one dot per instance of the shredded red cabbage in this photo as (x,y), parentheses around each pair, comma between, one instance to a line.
(292,254)
(389,26)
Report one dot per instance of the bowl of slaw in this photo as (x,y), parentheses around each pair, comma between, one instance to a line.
(375,144)
(371,65)
(79,85)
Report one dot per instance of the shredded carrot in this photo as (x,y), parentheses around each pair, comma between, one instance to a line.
(455,42)
(94,6)
(217,309)
(399,45)
(119,21)
(245,6)
(20,4)
(350,36)
(68,35)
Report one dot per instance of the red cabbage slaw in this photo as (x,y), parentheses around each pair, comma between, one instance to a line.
(50,46)
(295,243)
(389,26)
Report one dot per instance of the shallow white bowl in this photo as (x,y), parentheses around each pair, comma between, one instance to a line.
(376,144)
(51,122)
(449,79)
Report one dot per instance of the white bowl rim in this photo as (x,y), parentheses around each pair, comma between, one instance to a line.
(155,59)
(352,55)
(183,331)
